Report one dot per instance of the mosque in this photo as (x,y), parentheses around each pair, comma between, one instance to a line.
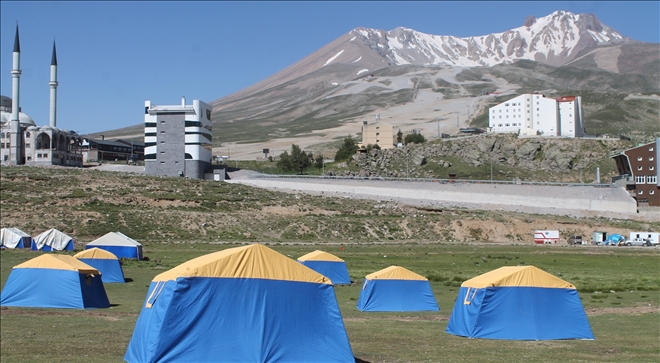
(24,143)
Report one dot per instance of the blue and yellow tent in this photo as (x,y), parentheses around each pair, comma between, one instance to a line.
(396,289)
(519,303)
(327,265)
(54,281)
(243,304)
(105,262)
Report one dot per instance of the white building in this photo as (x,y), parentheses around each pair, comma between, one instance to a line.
(535,114)
(24,143)
(178,139)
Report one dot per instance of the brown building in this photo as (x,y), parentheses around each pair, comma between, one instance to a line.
(638,173)
(377,133)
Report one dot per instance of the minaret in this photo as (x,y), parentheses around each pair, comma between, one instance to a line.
(16,132)
(53,88)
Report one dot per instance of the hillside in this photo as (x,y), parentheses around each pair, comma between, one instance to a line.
(89,203)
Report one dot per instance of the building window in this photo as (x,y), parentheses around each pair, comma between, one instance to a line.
(650,158)
(27,134)
(651,191)
(640,192)
(651,148)
(27,144)
(652,179)
(162,132)
(651,167)
(640,179)
(639,167)
(162,121)
(506,104)
(639,158)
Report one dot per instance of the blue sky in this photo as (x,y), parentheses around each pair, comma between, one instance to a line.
(114,55)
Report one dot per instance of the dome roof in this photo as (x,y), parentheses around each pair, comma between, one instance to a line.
(5,101)
(23,118)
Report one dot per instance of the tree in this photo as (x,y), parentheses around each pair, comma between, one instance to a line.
(318,161)
(414,138)
(297,161)
(399,137)
(347,149)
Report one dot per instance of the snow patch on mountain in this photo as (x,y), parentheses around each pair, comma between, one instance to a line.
(333,58)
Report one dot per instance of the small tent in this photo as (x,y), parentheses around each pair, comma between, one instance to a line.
(119,244)
(519,303)
(327,265)
(54,281)
(105,262)
(242,304)
(14,238)
(396,289)
(52,240)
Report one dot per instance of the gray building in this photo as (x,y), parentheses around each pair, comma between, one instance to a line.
(178,139)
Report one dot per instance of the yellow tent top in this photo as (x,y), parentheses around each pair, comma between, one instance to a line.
(96,253)
(528,276)
(394,273)
(320,256)
(253,261)
(59,262)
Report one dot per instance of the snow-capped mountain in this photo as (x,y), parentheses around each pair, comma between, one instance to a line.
(554,39)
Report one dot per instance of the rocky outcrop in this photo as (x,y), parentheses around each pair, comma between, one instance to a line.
(506,152)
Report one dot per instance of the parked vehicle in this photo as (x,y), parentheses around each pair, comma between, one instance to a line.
(638,242)
(651,237)
(544,237)
(575,240)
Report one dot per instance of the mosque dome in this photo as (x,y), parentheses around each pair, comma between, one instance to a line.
(5,103)
(5,113)
(23,118)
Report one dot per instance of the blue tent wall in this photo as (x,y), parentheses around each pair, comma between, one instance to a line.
(69,247)
(397,295)
(121,251)
(519,313)
(51,288)
(24,242)
(239,320)
(336,271)
(110,269)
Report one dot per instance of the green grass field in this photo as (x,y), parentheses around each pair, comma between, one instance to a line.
(619,288)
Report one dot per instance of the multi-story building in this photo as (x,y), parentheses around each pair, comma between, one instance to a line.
(377,133)
(178,139)
(638,173)
(535,114)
